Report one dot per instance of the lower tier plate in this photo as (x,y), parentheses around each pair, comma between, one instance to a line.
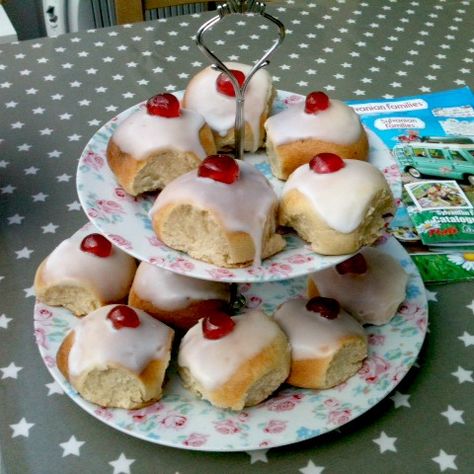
(290,415)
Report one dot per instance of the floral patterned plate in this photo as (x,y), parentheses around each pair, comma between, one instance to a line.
(181,420)
(124,219)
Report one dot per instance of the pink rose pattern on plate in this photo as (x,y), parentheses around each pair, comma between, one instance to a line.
(291,414)
(117,214)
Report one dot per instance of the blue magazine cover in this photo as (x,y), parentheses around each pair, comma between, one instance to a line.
(431,137)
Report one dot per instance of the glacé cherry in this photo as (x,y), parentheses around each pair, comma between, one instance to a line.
(96,244)
(164,105)
(224,85)
(316,102)
(326,307)
(326,163)
(222,168)
(217,325)
(122,316)
(356,264)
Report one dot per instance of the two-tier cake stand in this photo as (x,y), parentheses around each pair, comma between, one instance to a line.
(179,419)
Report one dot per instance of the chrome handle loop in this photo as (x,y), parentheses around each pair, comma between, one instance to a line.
(240,7)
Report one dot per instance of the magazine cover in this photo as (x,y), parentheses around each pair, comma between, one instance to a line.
(431,138)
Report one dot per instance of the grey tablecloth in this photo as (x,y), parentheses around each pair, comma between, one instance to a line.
(54,94)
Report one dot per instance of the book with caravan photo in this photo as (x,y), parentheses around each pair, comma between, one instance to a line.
(431,138)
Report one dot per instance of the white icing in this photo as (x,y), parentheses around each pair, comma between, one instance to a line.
(337,124)
(219,109)
(342,198)
(108,277)
(170,291)
(213,362)
(141,134)
(311,335)
(242,206)
(372,297)
(97,344)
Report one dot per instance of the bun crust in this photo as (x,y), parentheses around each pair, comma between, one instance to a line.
(330,371)
(78,297)
(181,319)
(158,168)
(325,352)
(296,211)
(252,382)
(209,240)
(113,385)
(284,159)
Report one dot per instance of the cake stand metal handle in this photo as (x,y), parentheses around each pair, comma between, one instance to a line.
(232,7)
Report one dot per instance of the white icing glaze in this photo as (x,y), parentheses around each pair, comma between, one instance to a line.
(97,344)
(342,198)
(372,297)
(242,206)
(337,124)
(219,109)
(170,291)
(213,362)
(311,335)
(141,133)
(108,277)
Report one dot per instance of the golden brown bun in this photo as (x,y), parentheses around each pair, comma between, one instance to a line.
(159,168)
(209,241)
(330,371)
(297,212)
(181,319)
(284,159)
(227,142)
(80,299)
(115,386)
(254,381)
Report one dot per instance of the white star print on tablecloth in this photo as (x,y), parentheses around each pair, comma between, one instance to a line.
(445,461)
(22,428)
(431,295)
(74,206)
(4,321)
(400,400)
(25,252)
(310,468)
(258,455)
(385,443)
(122,464)
(16,219)
(54,388)
(71,447)
(463,375)
(453,415)
(49,228)
(467,339)
(11,371)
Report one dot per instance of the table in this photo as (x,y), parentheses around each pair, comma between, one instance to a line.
(54,94)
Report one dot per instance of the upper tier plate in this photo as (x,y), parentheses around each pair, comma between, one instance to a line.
(124,219)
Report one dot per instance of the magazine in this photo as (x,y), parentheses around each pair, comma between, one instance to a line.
(431,138)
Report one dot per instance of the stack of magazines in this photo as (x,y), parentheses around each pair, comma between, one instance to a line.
(431,138)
